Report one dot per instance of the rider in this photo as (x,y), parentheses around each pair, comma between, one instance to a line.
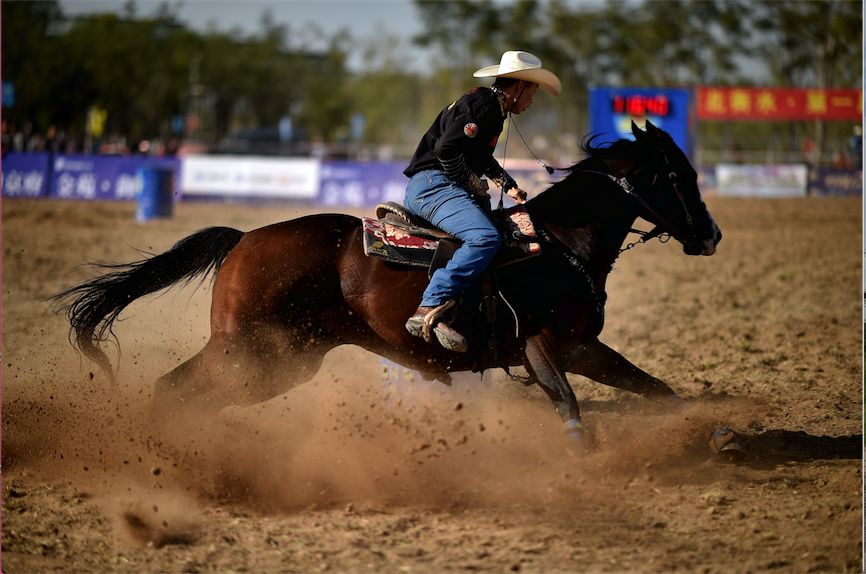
(446,188)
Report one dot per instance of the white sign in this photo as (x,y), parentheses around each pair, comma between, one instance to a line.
(774,180)
(242,176)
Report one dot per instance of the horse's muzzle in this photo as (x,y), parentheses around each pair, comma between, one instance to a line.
(705,247)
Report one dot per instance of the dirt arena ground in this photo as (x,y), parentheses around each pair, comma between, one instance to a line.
(351,473)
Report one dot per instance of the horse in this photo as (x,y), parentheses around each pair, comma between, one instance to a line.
(287,293)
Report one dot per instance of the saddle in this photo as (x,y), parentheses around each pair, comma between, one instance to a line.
(405,239)
(401,238)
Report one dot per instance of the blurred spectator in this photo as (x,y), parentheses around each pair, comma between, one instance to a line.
(18,141)
(55,142)
(855,145)
(71,146)
(841,160)
(171,147)
(6,138)
(736,153)
(809,151)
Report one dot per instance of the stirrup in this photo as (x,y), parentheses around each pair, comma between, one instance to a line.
(432,318)
(433,325)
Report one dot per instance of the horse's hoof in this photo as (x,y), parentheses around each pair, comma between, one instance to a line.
(724,442)
(577,438)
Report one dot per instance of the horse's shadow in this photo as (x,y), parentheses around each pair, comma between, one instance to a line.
(774,447)
(761,450)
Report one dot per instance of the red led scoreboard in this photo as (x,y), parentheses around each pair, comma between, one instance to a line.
(613,109)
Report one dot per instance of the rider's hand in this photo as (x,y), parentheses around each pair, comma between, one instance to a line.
(483,186)
(517,194)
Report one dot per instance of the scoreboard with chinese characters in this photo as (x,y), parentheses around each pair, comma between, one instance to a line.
(611,111)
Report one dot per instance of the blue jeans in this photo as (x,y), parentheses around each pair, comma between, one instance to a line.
(431,195)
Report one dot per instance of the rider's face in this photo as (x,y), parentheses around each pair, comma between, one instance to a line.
(524,97)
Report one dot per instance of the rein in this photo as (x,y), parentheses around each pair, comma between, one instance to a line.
(646,236)
(628,188)
(624,184)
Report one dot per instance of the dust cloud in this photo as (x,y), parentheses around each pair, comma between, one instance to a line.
(353,437)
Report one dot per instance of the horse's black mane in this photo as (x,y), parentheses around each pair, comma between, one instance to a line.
(620,149)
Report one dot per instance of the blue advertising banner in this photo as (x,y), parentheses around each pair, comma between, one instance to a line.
(97,177)
(611,111)
(836,182)
(356,184)
(25,175)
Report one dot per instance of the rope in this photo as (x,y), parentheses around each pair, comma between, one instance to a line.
(549,169)
(501,205)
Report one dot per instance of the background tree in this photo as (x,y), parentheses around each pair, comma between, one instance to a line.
(148,70)
(812,43)
(387,94)
(32,54)
(134,68)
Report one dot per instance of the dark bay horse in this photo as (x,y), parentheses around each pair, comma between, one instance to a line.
(286,294)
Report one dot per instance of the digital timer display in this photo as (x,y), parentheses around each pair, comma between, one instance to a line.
(640,105)
(612,110)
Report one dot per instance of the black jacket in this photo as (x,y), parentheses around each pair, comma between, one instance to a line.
(462,139)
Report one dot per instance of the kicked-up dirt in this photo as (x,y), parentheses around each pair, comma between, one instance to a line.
(366,469)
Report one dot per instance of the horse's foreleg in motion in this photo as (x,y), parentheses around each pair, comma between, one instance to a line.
(545,368)
(602,364)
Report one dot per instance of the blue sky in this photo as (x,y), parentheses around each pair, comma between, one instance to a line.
(362,16)
(365,19)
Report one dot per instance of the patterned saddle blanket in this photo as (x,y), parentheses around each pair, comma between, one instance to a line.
(399,237)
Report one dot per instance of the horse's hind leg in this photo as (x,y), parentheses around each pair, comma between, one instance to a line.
(235,371)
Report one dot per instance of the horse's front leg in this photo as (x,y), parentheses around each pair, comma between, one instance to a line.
(602,364)
(544,364)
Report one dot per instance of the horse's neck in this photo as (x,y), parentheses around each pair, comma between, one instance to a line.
(588,213)
(597,244)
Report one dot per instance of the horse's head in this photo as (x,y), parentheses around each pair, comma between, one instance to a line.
(666,186)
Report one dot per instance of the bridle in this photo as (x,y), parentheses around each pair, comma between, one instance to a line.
(673,178)
(664,229)
(663,226)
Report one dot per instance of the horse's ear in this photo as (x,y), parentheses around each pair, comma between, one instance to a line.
(637,132)
(651,129)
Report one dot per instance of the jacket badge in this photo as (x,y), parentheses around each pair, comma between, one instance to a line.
(471,130)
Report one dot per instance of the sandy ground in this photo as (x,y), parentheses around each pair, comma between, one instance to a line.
(353,473)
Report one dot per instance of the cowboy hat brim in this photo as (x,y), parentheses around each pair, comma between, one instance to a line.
(546,79)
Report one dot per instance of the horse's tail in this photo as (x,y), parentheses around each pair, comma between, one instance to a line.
(92,306)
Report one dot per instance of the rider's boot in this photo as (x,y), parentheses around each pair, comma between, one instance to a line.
(427,322)
(415,324)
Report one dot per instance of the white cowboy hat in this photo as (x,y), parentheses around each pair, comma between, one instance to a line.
(522,66)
